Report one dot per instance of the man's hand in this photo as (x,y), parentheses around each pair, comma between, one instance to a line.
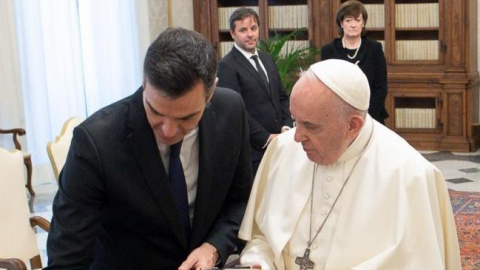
(203,257)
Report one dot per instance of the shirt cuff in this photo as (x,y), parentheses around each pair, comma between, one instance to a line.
(285,128)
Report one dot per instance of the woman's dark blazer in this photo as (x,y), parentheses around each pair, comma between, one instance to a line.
(371,60)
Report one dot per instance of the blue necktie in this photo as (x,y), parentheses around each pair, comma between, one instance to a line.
(179,186)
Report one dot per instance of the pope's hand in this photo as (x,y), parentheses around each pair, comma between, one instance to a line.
(203,257)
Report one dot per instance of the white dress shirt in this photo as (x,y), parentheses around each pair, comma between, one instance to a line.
(189,157)
(249,55)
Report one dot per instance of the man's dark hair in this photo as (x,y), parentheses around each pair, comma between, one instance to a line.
(177,60)
(242,13)
(351,8)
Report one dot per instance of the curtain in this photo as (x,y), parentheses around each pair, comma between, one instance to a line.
(76,56)
(11,105)
(112,68)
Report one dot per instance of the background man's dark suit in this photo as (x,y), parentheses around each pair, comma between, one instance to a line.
(129,214)
(267,108)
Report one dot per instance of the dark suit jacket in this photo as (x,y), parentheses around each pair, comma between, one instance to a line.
(114,208)
(267,108)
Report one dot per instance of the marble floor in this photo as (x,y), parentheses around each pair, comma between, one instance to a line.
(461,171)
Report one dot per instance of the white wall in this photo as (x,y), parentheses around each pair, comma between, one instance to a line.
(154,16)
(183,13)
(165,13)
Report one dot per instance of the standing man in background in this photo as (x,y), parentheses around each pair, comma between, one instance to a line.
(254,75)
(160,179)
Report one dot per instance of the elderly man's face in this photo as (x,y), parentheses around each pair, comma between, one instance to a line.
(323,134)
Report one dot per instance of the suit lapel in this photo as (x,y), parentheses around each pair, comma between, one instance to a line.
(268,69)
(144,147)
(245,63)
(205,174)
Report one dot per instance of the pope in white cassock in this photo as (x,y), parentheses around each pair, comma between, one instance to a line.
(341,191)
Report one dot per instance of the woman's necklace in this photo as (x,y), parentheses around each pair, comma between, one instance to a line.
(305,262)
(356,51)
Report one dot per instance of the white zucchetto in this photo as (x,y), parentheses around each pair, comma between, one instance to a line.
(345,79)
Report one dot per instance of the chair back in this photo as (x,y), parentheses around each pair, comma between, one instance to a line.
(27,158)
(16,235)
(58,150)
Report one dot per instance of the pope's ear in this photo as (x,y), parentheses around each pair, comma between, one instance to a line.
(356,124)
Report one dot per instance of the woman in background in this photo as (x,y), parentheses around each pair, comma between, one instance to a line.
(355,47)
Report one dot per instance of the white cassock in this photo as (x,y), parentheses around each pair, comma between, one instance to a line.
(394,212)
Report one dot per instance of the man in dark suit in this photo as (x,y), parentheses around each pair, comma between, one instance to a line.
(254,75)
(116,207)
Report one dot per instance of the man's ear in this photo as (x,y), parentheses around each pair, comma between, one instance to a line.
(356,124)
(214,87)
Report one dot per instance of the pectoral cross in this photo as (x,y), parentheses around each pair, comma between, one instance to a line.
(304,261)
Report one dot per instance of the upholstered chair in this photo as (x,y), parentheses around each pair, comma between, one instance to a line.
(27,158)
